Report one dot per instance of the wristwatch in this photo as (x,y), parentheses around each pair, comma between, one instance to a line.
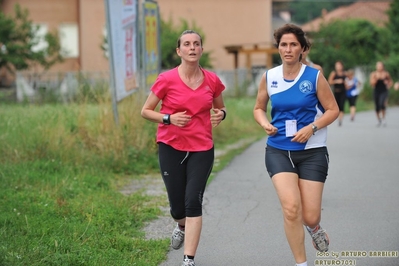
(166,119)
(314,128)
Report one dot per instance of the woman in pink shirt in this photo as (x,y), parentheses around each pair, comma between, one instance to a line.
(192,103)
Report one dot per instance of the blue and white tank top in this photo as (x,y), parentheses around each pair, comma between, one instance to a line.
(294,100)
(352,91)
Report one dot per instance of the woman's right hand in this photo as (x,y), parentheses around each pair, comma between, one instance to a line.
(270,129)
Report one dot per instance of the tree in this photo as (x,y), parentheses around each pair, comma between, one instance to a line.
(18,43)
(392,61)
(355,42)
(169,36)
(306,10)
(393,24)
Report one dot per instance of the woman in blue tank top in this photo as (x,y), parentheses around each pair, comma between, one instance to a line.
(296,158)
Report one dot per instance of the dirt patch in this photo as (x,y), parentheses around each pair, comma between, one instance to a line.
(151,185)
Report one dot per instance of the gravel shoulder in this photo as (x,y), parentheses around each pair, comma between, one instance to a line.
(153,185)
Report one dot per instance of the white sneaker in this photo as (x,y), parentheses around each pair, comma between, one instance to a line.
(177,239)
(320,239)
(188,262)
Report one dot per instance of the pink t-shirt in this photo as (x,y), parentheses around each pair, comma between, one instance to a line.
(177,97)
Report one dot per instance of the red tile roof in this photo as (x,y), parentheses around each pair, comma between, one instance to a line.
(374,12)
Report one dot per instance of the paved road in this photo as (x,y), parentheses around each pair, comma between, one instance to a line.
(242,216)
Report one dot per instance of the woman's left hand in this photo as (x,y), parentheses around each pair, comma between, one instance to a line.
(216,117)
(303,134)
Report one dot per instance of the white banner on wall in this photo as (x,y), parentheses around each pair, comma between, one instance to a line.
(122,31)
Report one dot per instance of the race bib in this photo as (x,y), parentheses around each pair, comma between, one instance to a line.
(290,128)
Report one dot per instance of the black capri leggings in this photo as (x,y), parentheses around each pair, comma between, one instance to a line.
(185,175)
(380,100)
(340,97)
(352,100)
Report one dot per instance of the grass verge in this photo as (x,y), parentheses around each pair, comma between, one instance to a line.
(61,170)
(62,167)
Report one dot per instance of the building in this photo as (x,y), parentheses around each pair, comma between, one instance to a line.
(373,11)
(80,25)
(226,23)
(240,29)
(238,35)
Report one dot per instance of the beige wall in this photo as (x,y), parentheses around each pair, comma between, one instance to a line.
(225,22)
(92,25)
(46,11)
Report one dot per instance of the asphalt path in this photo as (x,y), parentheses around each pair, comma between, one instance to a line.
(242,219)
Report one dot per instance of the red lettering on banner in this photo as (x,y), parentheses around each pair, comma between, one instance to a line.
(129,51)
(128,2)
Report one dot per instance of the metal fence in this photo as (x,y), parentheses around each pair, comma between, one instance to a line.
(68,86)
(63,87)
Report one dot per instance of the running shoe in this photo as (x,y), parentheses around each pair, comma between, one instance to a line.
(188,262)
(177,238)
(320,238)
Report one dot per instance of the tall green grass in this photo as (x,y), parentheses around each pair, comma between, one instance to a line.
(61,170)
(83,134)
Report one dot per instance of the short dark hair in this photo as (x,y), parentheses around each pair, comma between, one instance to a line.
(294,29)
(187,32)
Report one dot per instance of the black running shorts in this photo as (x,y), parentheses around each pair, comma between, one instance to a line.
(311,164)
